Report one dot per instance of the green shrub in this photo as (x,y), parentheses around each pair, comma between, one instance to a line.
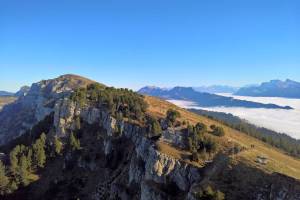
(208,193)
(4,181)
(200,128)
(58,146)
(218,131)
(172,116)
(74,142)
(153,126)
(195,156)
(39,153)
(197,141)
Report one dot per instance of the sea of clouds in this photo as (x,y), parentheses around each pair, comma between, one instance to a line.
(280,120)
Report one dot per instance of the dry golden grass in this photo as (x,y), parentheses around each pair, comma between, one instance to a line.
(6,100)
(176,153)
(278,161)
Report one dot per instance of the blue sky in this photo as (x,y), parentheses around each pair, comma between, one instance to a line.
(150,42)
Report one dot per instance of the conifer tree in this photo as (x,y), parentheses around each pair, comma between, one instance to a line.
(13,157)
(23,170)
(77,123)
(58,146)
(29,158)
(4,181)
(39,153)
(74,142)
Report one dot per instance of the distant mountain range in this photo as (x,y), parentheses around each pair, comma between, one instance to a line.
(216,89)
(203,99)
(274,88)
(4,93)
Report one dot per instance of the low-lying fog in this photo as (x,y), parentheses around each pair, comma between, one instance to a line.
(283,121)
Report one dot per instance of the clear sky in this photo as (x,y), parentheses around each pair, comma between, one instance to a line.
(150,42)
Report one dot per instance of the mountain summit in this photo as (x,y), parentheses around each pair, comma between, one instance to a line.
(273,88)
(35,104)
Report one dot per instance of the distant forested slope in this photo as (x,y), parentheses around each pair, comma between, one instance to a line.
(279,140)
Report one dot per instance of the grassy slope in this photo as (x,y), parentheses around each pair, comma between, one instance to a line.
(6,100)
(277,160)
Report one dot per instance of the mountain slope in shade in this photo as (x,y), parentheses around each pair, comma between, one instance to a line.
(274,88)
(203,99)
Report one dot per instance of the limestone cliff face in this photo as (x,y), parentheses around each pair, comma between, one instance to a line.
(147,165)
(280,188)
(152,174)
(35,105)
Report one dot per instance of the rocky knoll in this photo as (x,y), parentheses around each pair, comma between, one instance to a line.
(39,101)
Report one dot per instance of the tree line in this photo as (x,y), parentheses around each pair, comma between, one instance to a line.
(279,140)
(123,103)
(24,161)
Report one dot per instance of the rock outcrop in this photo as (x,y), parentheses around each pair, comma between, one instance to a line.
(35,104)
(147,164)
(148,170)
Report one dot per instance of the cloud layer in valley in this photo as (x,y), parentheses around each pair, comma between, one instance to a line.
(280,120)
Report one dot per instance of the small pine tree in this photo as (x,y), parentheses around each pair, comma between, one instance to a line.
(74,142)
(172,116)
(156,128)
(12,186)
(29,158)
(58,146)
(218,131)
(77,123)
(209,194)
(39,153)
(195,156)
(13,157)
(200,128)
(190,144)
(13,163)
(4,181)
(23,170)
(219,195)
(43,138)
